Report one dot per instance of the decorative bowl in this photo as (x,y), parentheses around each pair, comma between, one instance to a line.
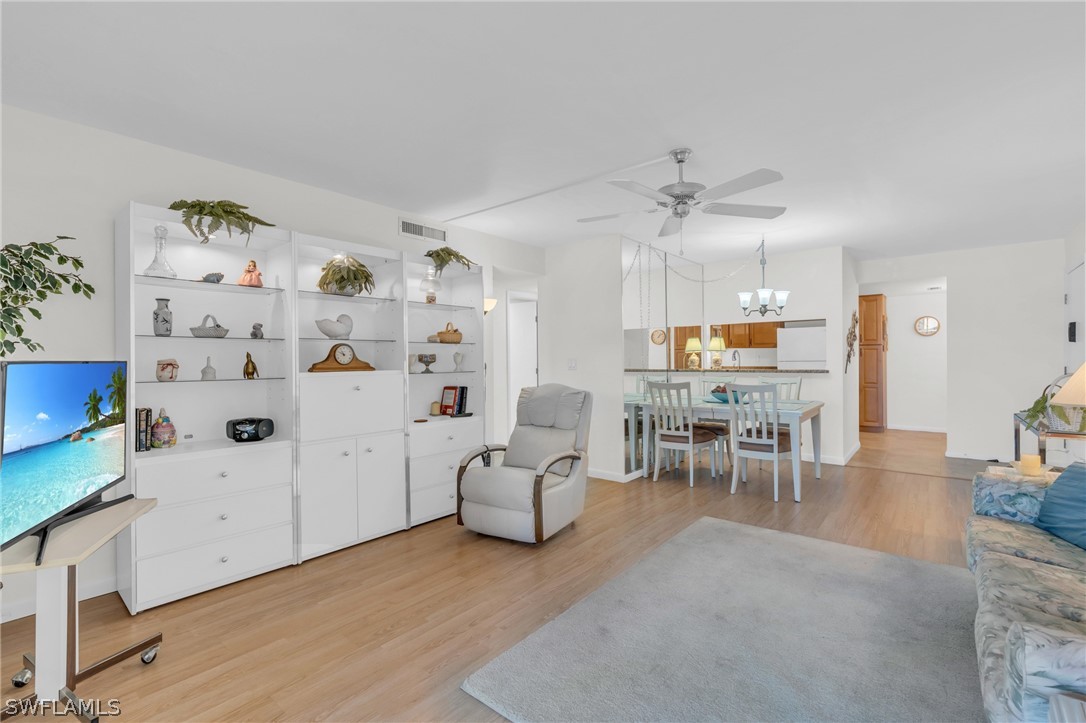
(723,396)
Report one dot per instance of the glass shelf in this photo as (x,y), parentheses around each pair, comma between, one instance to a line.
(443,343)
(445,307)
(360,299)
(207,381)
(209,338)
(333,341)
(204,285)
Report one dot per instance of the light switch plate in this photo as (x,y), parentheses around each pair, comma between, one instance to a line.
(571,364)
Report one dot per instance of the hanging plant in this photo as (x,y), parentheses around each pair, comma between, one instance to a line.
(26,278)
(219,214)
(444,256)
(345,275)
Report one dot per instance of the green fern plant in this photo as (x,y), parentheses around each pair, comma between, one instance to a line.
(219,214)
(345,275)
(444,256)
(1040,406)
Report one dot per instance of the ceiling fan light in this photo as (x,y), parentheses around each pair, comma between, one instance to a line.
(782,298)
(764,296)
(744,299)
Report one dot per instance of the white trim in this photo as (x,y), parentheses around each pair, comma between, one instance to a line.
(86,590)
(910,428)
(614,476)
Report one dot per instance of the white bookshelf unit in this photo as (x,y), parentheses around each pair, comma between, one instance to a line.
(346,464)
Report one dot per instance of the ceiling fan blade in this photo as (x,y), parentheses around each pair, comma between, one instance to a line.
(742,209)
(641,190)
(671,226)
(754,179)
(590,219)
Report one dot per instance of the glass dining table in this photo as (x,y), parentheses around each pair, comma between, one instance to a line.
(792,412)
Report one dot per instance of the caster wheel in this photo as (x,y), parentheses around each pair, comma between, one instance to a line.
(22,677)
(148,656)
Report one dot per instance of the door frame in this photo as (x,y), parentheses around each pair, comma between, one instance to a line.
(517,297)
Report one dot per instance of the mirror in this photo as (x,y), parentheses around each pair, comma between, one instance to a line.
(926,326)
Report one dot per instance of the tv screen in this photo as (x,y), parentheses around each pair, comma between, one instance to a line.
(63,442)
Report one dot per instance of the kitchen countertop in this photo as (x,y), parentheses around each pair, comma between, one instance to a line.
(731,370)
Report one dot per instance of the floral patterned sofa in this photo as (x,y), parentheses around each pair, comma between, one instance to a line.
(1031,589)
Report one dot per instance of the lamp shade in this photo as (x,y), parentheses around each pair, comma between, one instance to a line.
(693,344)
(744,299)
(1073,393)
(782,298)
(716,343)
(764,296)
(489,304)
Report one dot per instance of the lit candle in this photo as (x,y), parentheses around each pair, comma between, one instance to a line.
(1030,465)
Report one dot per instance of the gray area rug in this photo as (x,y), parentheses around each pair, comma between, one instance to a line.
(738,623)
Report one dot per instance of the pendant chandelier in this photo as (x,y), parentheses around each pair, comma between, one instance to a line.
(765,295)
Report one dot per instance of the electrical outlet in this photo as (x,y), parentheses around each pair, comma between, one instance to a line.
(571,364)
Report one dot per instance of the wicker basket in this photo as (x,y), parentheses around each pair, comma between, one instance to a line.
(1060,417)
(450,335)
(209,332)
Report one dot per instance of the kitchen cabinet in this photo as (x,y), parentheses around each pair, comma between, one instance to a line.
(738,336)
(873,348)
(763,335)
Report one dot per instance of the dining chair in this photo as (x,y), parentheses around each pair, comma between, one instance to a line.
(673,414)
(710,383)
(757,432)
(787,387)
(720,427)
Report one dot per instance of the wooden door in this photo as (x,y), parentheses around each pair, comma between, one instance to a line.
(382,488)
(873,347)
(328,485)
(738,336)
(763,335)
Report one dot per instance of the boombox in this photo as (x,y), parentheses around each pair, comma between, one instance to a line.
(250,429)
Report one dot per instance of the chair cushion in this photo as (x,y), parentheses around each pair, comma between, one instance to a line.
(550,405)
(528,446)
(721,429)
(701,436)
(784,442)
(1063,510)
(510,488)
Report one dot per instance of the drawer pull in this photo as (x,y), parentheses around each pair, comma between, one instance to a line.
(358,389)
(223,516)
(346,454)
(224,474)
(452,436)
(224,558)
(451,467)
(369,449)
(451,495)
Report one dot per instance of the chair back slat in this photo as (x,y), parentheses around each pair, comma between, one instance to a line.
(672,408)
(787,387)
(707,385)
(754,415)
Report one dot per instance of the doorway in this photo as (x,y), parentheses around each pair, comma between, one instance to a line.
(522,346)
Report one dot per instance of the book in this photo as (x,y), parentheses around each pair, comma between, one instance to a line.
(461,400)
(143,424)
(448,400)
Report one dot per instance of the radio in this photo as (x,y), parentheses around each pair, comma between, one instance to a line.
(250,429)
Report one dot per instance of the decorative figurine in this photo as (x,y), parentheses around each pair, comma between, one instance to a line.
(207,374)
(160,266)
(458,359)
(249,371)
(252,275)
(338,329)
(162,318)
(427,359)
(166,370)
(257,332)
(163,433)
(213,278)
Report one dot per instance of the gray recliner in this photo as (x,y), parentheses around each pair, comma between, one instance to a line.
(539,487)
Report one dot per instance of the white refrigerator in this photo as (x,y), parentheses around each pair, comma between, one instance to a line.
(801,348)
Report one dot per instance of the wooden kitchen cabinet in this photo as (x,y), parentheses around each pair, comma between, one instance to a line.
(873,348)
(738,336)
(763,335)
(872,319)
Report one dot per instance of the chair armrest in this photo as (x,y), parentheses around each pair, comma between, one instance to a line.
(1040,663)
(1007,499)
(554,459)
(479,452)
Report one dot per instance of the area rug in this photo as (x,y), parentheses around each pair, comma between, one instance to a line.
(738,623)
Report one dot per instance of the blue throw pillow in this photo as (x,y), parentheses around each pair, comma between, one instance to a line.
(1063,511)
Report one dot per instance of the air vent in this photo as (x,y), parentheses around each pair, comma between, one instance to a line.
(417,230)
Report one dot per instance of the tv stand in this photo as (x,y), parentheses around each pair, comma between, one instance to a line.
(43,536)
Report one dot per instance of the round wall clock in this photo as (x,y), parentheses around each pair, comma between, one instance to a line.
(926,326)
(658,336)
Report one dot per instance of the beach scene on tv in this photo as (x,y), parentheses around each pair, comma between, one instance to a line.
(63,439)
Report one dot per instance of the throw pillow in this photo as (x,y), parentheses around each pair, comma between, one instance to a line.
(1063,511)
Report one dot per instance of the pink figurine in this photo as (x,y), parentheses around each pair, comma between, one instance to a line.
(251,277)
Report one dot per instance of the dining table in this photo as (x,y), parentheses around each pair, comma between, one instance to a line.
(791,412)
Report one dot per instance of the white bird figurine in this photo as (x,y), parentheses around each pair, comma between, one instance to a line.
(338,329)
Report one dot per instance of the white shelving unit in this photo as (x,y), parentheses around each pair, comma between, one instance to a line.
(347,462)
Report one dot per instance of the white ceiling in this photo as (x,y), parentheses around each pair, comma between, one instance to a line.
(899,128)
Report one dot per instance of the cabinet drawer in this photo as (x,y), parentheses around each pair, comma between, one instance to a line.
(446,436)
(436,469)
(181,526)
(433,502)
(197,479)
(348,404)
(186,571)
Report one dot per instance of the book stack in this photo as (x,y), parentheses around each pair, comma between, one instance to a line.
(454,401)
(143,429)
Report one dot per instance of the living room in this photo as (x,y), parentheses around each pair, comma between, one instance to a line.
(935,141)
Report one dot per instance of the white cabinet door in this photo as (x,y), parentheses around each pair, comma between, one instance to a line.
(350,404)
(382,488)
(329,496)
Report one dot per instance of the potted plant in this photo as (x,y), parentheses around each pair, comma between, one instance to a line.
(219,214)
(444,256)
(346,276)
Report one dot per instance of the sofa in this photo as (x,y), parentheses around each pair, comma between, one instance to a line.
(1030,628)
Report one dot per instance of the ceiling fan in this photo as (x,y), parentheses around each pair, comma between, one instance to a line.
(679,198)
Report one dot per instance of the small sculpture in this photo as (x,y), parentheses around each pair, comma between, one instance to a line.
(213,278)
(252,275)
(249,371)
(458,359)
(163,433)
(427,359)
(257,332)
(166,370)
(338,329)
(207,374)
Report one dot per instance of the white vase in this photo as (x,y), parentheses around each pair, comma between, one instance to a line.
(458,359)
(207,374)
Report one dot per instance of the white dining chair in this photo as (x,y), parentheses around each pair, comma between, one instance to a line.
(757,432)
(710,383)
(720,427)
(673,414)
(787,387)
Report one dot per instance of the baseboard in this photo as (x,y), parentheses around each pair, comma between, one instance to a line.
(612,476)
(21,608)
(852,453)
(910,428)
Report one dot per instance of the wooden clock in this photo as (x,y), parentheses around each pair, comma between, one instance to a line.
(341,358)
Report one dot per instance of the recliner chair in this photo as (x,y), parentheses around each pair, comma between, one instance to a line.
(539,487)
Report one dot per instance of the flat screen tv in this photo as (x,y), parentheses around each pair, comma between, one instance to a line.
(64,442)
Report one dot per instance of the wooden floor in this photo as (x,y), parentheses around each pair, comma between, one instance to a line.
(387,630)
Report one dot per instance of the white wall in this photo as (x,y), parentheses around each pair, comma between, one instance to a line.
(522,352)
(1074,353)
(838,347)
(916,366)
(63,178)
(497,383)
(1005,306)
(580,318)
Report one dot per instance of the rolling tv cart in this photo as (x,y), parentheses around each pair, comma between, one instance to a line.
(55,662)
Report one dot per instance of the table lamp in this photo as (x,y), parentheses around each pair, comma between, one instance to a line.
(1073,393)
(717,347)
(693,352)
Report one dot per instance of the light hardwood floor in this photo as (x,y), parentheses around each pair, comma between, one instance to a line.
(387,630)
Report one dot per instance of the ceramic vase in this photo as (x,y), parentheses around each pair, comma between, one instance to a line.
(163,433)
(162,318)
(160,266)
(166,370)
(207,374)
(458,359)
